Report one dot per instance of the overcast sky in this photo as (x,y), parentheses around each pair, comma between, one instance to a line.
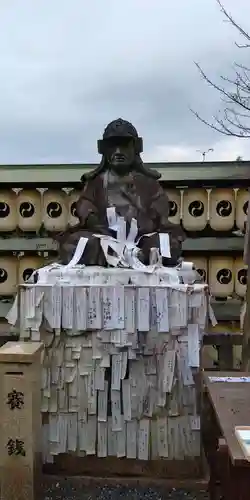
(68,67)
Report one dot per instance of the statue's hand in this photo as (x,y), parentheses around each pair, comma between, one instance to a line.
(131,253)
(141,256)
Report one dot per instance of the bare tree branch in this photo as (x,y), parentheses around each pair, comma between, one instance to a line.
(234,24)
(234,91)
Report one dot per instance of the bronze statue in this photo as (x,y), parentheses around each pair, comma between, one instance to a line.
(123,182)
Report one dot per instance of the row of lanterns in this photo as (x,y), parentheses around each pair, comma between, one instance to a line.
(222,209)
(224,275)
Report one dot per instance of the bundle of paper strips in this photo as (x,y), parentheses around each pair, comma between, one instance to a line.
(120,363)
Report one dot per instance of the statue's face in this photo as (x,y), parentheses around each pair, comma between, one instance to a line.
(120,153)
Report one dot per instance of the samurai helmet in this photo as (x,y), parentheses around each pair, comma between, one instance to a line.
(118,129)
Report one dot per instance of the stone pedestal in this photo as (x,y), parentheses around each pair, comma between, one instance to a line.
(20,419)
(121,370)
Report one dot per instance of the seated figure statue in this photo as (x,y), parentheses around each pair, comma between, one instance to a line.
(122,199)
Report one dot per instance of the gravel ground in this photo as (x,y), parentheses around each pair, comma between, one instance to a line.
(66,491)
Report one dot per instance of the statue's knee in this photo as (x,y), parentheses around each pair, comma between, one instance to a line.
(66,253)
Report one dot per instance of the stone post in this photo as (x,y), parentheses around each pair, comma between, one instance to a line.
(20,420)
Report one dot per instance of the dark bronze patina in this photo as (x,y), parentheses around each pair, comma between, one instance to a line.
(123,181)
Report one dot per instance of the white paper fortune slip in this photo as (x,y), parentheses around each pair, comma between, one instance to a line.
(67,307)
(121,229)
(82,435)
(30,302)
(132,439)
(80,308)
(143,439)
(129,310)
(112,217)
(168,370)
(12,315)
(162,437)
(99,376)
(165,245)
(63,433)
(121,440)
(147,402)
(161,295)
(102,432)
(116,410)
(94,308)
(53,399)
(91,435)
(119,307)
(72,431)
(126,398)
(85,361)
(143,308)
(108,307)
(78,252)
(92,395)
(116,372)
(183,309)
(53,306)
(193,345)
(103,403)
(95,342)
(112,439)
(53,429)
(185,372)
(178,309)
(47,301)
(113,307)
(195,422)
(83,399)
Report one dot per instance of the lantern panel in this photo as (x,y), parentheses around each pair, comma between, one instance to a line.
(241,208)
(195,209)
(8,211)
(8,276)
(174,198)
(201,266)
(73,197)
(29,210)
(240,277)
(27,265)
(55,213)
(222,209)
(221,280)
